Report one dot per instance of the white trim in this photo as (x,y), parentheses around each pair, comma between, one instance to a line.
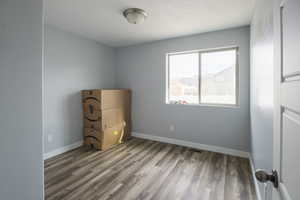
(193,145)
(205,50)
(257,191)
(62,150)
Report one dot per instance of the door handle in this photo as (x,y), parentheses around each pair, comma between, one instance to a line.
(263,176)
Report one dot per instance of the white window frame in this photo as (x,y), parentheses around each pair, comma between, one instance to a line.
(201,51)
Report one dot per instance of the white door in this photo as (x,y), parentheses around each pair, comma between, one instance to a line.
(287,99)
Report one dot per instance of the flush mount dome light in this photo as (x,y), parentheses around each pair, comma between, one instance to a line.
(135,15)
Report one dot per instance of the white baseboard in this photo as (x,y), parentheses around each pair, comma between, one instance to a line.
(258,194)
(62,150)
(193,145)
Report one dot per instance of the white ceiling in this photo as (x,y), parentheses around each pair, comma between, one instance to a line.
(103,21)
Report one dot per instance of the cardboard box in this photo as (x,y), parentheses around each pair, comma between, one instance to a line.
(103,140)
(112,99)
(112,136)
(108,112)
(97,125)
(91,112)
(93,94)
(93,137)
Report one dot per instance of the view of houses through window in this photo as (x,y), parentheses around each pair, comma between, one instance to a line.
(203,77)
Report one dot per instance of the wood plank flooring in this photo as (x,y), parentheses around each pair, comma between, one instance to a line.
(147,170)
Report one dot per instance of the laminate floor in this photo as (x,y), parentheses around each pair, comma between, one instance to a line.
(144,170)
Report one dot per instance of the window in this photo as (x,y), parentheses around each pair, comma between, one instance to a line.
(203,77)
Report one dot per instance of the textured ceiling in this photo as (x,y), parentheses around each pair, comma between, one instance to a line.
(103,21)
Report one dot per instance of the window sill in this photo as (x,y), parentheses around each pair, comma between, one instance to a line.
(207,105)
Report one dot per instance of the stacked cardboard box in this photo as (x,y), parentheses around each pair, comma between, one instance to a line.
(107,117)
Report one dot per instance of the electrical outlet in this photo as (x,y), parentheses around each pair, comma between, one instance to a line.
(172,128)
(50,138)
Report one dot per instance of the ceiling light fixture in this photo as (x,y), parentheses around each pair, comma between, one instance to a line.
(135,15)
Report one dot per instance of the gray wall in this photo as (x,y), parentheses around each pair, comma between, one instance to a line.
(142,68)
(21,164)
(262,85)
(72,63)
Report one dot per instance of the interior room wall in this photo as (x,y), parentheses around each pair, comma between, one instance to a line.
(72,63)
(21,65)
(262,86)
(143,69)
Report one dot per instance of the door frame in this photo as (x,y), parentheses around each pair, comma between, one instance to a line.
(277,81)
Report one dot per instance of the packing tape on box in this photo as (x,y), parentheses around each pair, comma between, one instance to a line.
(122,132)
